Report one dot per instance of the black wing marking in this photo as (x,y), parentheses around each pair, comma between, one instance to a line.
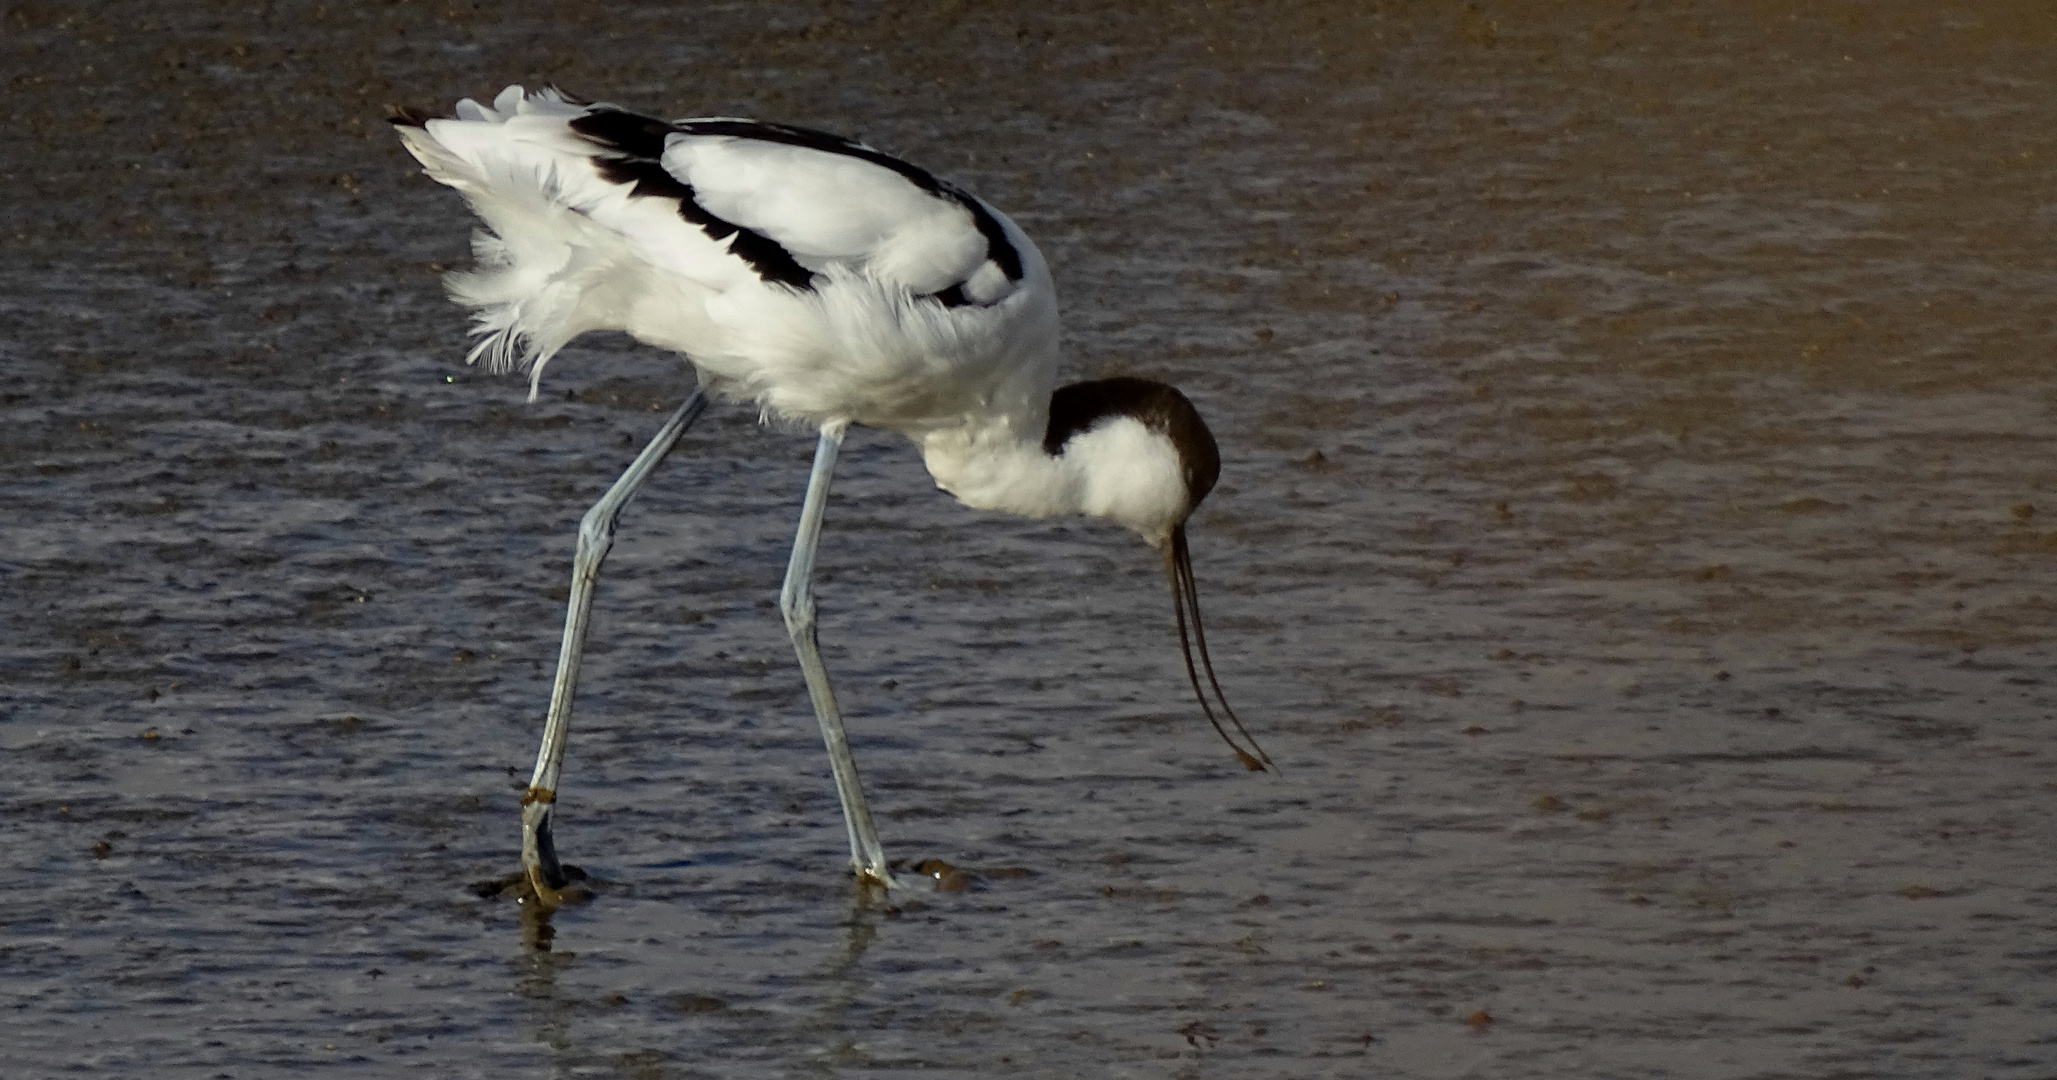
(635,149)
(998,248)
(625,133)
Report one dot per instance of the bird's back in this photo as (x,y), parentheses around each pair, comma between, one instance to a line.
(815,276)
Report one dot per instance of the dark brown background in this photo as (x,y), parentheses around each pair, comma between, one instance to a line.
(1636,541)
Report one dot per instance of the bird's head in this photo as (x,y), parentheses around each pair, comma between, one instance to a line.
(1144,459)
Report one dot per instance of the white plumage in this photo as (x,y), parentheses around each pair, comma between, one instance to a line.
(569,250)
(827,283)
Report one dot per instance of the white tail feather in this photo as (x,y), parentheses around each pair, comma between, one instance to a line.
(536,259)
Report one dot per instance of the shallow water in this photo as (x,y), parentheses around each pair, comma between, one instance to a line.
(1636,543)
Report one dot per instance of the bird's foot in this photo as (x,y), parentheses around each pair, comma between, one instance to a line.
(936,875)
(874,881)
(939,876)
(528,886)
(547,881)
(543,883)
(552,887)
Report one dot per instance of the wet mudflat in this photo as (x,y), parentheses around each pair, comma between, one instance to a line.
(1636,542)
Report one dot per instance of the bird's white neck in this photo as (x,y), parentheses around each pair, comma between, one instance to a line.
(1103,455)
(1000,468)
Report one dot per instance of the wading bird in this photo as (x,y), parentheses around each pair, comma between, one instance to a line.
(829,284)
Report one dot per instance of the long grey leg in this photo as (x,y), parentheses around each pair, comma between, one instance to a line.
(796,600)
(596,537)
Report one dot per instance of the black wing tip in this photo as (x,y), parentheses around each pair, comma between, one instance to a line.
(626,134)
(409,116)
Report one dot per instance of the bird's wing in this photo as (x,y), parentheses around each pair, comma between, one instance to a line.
(805,271)
(801,201)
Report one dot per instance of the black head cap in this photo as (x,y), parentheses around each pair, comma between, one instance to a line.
(1161,408)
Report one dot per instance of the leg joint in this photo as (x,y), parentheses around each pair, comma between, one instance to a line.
(596,530)
(798,608)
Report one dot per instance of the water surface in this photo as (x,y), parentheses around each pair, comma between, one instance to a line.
(1636,542)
